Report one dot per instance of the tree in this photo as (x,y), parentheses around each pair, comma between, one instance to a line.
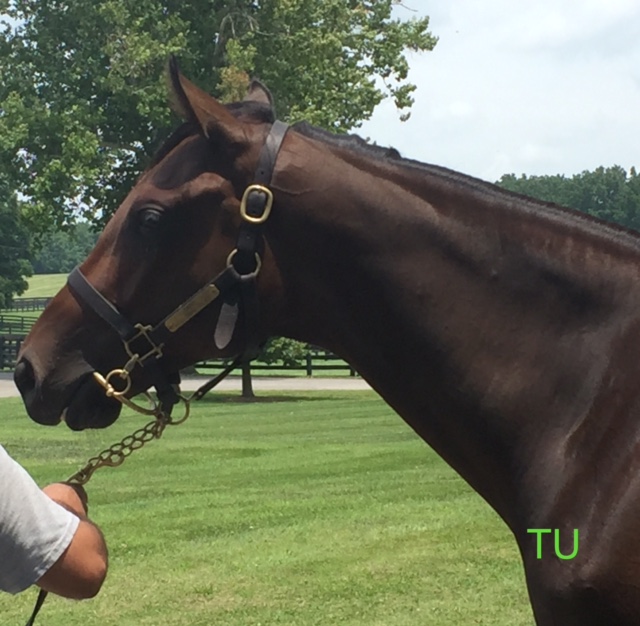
(286,351)
(83,100)
(556,188)
(609,193)
(60,251)
(14,247)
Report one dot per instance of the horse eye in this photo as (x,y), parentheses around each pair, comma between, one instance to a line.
(149,219)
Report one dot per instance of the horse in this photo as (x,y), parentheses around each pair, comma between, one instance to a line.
(502,329)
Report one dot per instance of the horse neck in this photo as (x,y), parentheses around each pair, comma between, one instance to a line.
(485,320)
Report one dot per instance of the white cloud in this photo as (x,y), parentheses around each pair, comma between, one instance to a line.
(541,88)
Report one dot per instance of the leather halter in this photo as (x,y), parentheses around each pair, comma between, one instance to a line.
(236,285)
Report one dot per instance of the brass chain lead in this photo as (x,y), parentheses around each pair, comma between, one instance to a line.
(116,454)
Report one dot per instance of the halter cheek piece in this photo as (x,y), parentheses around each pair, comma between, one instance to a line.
(236,284)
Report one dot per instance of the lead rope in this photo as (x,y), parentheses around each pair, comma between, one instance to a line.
(116,454)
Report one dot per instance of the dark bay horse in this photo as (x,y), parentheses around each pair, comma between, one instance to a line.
(504,331)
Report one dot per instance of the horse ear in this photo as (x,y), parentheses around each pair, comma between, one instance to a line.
(198,107)
(257,92)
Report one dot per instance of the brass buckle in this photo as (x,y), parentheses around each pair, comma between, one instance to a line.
(110,390)
(153,407)
(260,219)
(143,331)
(250,274)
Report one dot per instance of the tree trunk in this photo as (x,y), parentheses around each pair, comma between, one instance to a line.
(247,386)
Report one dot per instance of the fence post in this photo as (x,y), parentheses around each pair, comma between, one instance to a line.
(309,364)
(1,352)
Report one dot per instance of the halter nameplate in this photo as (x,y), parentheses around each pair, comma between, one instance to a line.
(191,307)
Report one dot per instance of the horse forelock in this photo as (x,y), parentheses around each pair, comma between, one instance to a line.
(174,169)
(183,161)
(255,111)
(184,131)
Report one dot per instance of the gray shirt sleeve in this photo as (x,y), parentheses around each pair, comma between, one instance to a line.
(34,530)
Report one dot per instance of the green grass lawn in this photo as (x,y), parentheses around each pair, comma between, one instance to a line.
(44,285)
(259,371)
(305,509)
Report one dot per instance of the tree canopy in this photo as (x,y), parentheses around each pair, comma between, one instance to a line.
(14,247)
(83,101)
(60,251)
(608,193)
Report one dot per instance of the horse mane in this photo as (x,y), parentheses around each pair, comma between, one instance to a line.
(474,185)
(264,114)
(353,142)
(360,145)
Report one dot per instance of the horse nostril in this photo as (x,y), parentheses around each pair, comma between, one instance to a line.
(24,376)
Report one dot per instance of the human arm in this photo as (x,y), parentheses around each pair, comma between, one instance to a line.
(38,534)
(82,567)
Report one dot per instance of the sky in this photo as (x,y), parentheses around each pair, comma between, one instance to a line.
(538,87)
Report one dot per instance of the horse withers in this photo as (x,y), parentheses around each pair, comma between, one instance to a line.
(503,330)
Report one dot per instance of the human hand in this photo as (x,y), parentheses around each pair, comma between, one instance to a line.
(71,496)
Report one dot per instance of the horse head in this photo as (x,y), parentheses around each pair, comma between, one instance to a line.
(176,230)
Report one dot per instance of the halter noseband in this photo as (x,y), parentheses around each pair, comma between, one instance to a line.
(236,284)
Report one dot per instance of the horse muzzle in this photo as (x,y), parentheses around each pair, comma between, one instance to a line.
(76,399)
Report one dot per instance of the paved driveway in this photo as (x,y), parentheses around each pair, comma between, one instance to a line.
(233,383)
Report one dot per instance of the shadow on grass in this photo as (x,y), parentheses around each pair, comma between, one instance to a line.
(236,398)
(221,398)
